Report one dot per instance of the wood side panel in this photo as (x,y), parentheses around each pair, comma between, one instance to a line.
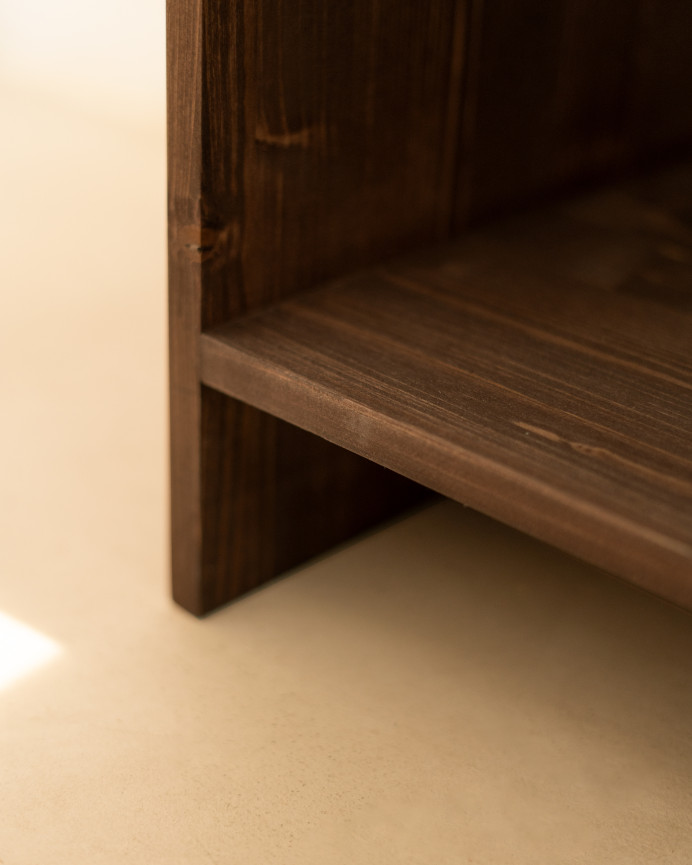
(275,495)
(328,139)
(238,471)
(291,159)
(184,94)
(326,494)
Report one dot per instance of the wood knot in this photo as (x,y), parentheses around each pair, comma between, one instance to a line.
(203,243)
(304,138)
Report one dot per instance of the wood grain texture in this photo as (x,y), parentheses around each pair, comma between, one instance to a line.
(308,166)
(290,161)
(311,138)
(515,371)
(660,115)
(184,97)
(558,92)
(291,497)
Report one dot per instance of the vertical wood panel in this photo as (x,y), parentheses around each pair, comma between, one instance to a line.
(184,94)
(546,98)
(326,494)
(562,91)
(661,115)
(306,139)
(347,127)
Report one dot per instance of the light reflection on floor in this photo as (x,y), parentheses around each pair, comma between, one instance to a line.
(22,650)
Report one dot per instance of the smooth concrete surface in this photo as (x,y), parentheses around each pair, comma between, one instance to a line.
(443,691)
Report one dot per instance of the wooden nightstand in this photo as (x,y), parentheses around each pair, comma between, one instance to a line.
(429,245)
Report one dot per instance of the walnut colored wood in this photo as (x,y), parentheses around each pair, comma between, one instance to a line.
(291,497)
(558,92)
(521,371)
(291,160)
(311,139)
(548,98)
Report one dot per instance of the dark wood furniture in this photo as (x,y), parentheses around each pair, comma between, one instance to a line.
(434,244)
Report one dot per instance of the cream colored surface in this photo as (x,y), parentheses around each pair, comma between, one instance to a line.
(444,691)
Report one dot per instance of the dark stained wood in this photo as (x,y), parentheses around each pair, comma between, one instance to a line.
(660,118)
(326,494)
(184,95)
(311,138)
(292,497)
(308,166)
(291,160)
(547,98)
(516,371)
(562,91)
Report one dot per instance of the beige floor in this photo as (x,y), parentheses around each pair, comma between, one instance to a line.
(444,691)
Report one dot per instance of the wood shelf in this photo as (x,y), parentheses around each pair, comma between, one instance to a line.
(539,370)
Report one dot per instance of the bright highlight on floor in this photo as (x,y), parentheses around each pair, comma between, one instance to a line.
(22,650)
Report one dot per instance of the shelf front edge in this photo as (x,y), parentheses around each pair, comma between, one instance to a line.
(627,549)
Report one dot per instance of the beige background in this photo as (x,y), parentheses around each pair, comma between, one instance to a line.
(443,691)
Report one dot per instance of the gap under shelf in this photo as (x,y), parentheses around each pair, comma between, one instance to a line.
(538,370)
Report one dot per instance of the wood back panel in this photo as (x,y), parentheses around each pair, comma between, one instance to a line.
(562,91)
